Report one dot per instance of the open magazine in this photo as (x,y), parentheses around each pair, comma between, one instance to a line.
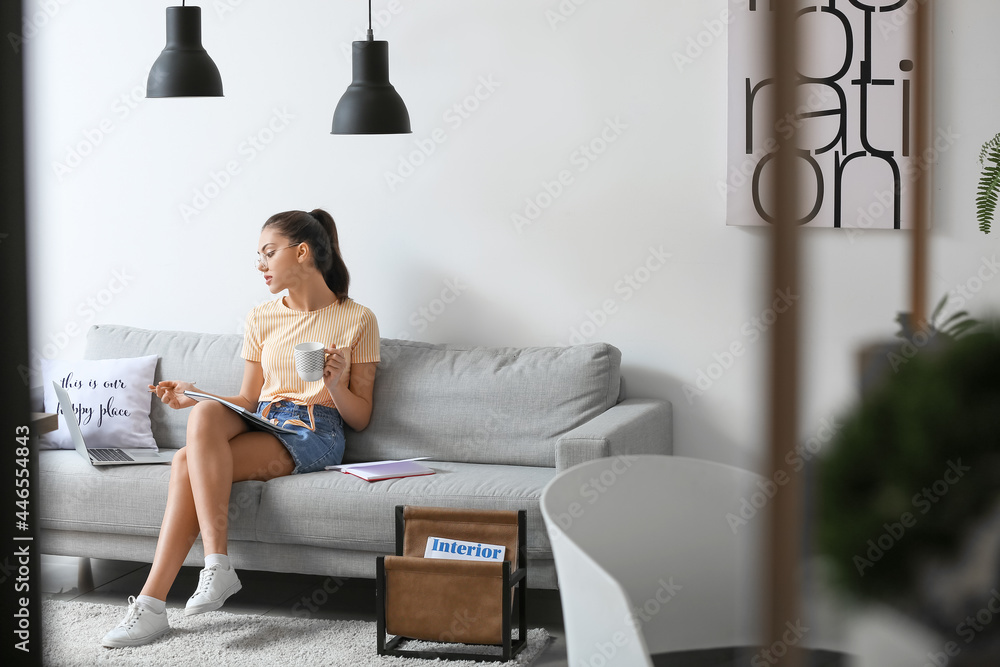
(374,471)
(253,419)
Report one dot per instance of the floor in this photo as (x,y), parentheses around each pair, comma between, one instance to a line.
(299,595)
(266,593)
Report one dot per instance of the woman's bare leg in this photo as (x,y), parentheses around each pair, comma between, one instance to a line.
(210,468)
(224,452)
(178,531)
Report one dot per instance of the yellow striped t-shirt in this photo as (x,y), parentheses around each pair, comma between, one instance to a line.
(273,329)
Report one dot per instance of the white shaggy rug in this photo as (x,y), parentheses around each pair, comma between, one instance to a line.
(73,632)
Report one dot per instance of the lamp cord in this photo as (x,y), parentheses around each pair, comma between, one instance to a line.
(370,35)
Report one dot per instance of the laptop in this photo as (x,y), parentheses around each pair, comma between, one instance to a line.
(110,456)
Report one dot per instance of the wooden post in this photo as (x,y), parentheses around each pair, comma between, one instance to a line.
(785,524)
(920,188)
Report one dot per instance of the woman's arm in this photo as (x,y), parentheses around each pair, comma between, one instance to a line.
(172,393)
(350,387)
(253,382)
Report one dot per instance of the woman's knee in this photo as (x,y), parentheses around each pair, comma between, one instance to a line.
(179,464)
(207,420)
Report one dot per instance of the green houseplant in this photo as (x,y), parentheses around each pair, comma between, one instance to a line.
(952,327)
(989,183)
(878,360)
(909,493)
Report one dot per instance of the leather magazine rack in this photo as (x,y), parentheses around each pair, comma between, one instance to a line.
(453,601)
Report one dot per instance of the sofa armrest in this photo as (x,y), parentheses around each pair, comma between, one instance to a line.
(634,426)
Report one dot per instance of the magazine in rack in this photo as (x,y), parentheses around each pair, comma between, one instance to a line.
(255,420)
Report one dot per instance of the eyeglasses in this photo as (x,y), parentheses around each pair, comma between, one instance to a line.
(261,261)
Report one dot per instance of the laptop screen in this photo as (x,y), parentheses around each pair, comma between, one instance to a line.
(71,423)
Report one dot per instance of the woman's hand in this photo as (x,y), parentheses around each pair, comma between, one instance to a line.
(337,370)
(172,393)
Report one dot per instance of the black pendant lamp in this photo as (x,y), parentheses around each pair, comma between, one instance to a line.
(184,68)
(371,105)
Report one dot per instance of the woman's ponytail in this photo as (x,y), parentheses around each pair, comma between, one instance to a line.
(319,231)
(338,278)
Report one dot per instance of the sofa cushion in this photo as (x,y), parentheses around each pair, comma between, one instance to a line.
(125,500)
(332,509)
(211,360)
(483,405)
(110,397)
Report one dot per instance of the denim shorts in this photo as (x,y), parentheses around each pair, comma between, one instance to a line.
(316,442)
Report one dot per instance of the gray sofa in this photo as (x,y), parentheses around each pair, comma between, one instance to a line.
(498,424)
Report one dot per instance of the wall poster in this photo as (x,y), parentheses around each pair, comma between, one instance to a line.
(854,130)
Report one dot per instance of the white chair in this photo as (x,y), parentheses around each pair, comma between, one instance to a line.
(653,556)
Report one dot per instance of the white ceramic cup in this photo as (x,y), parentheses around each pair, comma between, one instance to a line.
(309,361)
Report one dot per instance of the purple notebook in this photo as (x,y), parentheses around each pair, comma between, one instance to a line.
(373,472)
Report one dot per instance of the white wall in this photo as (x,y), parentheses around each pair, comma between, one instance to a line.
(109,243)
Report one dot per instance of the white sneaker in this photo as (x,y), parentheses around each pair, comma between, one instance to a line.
(215,585)
(141,625)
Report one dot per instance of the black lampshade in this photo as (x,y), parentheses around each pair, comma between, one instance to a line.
(370,105)
(184,68)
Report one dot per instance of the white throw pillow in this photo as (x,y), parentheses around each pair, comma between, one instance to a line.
(110,398)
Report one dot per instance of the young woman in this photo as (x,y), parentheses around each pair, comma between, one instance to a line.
(298,252)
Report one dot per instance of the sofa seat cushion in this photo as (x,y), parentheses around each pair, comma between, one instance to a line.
(125,500)
(332,509)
